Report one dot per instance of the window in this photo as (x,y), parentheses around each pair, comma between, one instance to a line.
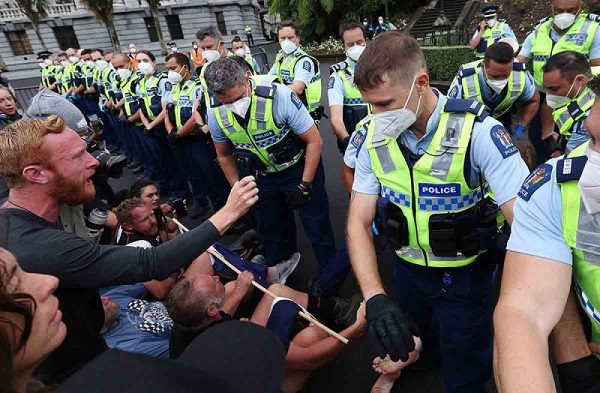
(19,42)
(221,22)
(174,27)
(65,36)
(151,27)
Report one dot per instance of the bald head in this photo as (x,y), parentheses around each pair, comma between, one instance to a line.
(119,60)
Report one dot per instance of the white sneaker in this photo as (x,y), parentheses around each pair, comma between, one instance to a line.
(259,260)
(285,268)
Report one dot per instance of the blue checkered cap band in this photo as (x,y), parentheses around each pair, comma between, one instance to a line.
(450,203)
(395,197)
(540,58)
(587,304)
(353,101)
(243,145)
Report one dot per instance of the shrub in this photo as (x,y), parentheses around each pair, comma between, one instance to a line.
(443,62)
(327,47)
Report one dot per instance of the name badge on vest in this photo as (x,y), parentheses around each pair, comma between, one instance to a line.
(439,190)
(578,38)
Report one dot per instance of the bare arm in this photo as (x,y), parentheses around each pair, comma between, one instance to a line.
(477,38)
(314,146)
(507,210)
(547,121)
(227,161)
(568,338)
(337,122)
(158,119)
(360,243)
(135,117)
(595,62)
(530,108)
(532,299)
(298,87)
(188,127)
(347,177)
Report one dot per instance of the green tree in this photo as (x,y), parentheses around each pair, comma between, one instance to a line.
(155,12)
(35,11)
(104,12)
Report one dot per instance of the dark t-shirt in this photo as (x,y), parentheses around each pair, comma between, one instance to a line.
(82,268)
(182,336)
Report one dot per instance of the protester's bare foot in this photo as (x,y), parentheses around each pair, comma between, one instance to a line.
(390,371)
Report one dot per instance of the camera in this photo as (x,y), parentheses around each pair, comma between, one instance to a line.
(95,223)
(111,165)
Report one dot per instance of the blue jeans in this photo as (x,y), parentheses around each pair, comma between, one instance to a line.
(453,309)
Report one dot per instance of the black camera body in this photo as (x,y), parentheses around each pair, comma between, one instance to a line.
(111,165)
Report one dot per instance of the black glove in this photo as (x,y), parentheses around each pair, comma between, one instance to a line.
(343,144)
(173,137)
(392,328)
(301,196)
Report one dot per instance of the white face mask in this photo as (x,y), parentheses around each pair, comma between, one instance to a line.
(564,21)
(73,59)
(355,51)
(589,183)
(288,46)
(555,101)
(174,77)
(101,64)
(58,67)
(496,85)
(65,63)
(48,62)
(42,64)
(380,21)
(240,107)
(393,123)
(90,63)
(146,68)
(124,73)
(240,52)
(173,49)
(491,22)
(211,55)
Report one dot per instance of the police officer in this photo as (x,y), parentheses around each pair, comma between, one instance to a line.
(266,128)
(48,79)
(566,75)
(77,70)
(239,49)
(189,140)
(153,90)
(500,82)
(298,70)
(63,74)
(554,242)
(569,28)
(490,30)
(432,160)
(212,45)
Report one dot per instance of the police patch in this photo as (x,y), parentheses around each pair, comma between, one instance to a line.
(295,100)
(264,135)
(535,180)
(168,86)
(439,190)
(453,93)
(503,141)
(357,139)
(307,65)
(331,82)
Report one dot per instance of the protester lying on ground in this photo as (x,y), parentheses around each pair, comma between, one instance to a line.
(30,322)
(47,166)
(197,303)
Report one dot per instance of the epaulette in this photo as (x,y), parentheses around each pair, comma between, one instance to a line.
(342,65)
(470,106)
(214,101)
(518,66)
(570,168)
(542,21)
(594,17)
(467,71)
(266,91)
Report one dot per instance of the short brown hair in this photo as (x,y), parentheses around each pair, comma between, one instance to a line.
(394,54)
(351,26)
(288,23)
(21,145)
(125,208)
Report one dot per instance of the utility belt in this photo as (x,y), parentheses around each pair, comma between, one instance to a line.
(352,115)
(285,151)
(469,232)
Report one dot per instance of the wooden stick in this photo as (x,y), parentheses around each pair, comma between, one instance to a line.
(309,318)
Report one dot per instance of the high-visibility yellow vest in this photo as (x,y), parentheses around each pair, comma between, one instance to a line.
(284,69)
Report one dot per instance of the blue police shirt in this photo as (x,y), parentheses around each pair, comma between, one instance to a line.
(537,225)
(493,155)
(288,111)
(142,326)
(489,96)
(304,70)
(335,87)
(508,32)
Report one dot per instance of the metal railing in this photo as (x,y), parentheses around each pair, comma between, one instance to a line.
(23,95)
(261,58)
